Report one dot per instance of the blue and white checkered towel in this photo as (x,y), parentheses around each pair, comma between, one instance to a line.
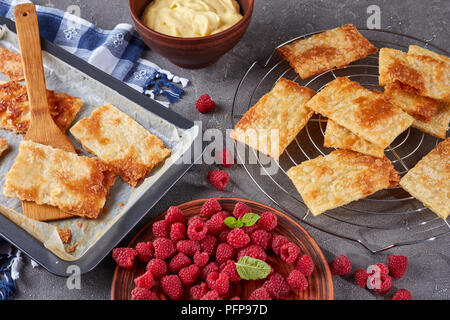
(116,52)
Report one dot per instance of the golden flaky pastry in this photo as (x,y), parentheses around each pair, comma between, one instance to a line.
(341,177)
(334,48)
(273,123)
(366,113)
(11,64)
(45,175)
(337,136)
(429,180)
(438,124)
(15,108)
(426,72)
(121,142)
(3,145)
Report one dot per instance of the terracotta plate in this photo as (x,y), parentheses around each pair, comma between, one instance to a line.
(320,282)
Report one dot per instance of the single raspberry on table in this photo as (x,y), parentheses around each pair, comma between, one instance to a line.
(224,252)
(341,266)
(277,286)
(260,294)
(262,238)
(174,214)
(164,248)
(386,285)
(188,247)
(188,275)
(143,294)
(125,257)
(225,158)
(172,287)
(180,260)
(240,209)
(297,280)
(305,265)
(218,178)
(211,295)
(361,277)
(201,259)
(397,266)
(209,268)
(402,294)
(197,230)
(145,281)
(238,238)
(199,290)
(161,229)
(253,251)
(145,251)
(210,207)
(205,104)
(215,224)
(218,282)
(289,253)
(177,231)
(229,267)
(209,245)
(268,221)
(277,242)
(157,267)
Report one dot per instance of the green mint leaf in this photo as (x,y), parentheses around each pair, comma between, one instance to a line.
(252,269)
(230,222)
(250,219)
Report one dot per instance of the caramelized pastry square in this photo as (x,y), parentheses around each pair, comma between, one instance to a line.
(11,64)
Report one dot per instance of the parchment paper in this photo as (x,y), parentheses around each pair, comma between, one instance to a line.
(61,77)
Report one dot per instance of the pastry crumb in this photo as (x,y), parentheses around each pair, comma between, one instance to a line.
(72,248)
(65,235)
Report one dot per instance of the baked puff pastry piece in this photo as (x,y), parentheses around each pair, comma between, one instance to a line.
(276,119)
(121,142)
(334,48)
(429,180)
(438,124)
(45,175)
(341,177)
(11,64)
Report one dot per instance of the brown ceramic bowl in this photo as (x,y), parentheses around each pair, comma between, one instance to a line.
(192,53)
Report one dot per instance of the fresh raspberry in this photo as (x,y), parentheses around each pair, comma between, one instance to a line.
(201,259)
(157,267)
(218,178)
(145,281)
(253,251)
(229,268)
(289,252)
(260,294)
(209,245)
(223,235)
(224,252)
(189,275)
(161,229)
(211,295)
(277,286)
(199,290)
(361,277)
(238,238)
(125,257)
(225,158)
(145,251)
(197,230)
(262,238)
(383,268)
(251,229)
(180,260)
(268,221)
(174,215)
(143,294)
(397,266)
(215,223)
(297,280)
(177,231)
(240,209)
(205,104)
(218,282)
(188,247)
(164,248)
(305,265)
(341,265)
(402,294)
(210,207)
(194,219)
(209,268)
(386,285)
(172,287)
(277,242)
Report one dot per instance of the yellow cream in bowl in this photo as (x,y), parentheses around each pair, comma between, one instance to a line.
(191,18)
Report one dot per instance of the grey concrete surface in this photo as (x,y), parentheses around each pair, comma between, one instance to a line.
(428,276)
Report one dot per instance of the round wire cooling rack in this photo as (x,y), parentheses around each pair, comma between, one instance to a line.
(387,219)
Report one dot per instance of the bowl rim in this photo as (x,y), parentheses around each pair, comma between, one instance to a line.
(215,36)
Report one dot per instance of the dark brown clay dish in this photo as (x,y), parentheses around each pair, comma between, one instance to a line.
(191,53)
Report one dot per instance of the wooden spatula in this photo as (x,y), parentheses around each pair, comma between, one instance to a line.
(42,129)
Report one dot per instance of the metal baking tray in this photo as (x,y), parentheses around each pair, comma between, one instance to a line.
(94,255)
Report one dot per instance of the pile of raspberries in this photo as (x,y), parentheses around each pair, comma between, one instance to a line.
(196,258)
(376,277)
